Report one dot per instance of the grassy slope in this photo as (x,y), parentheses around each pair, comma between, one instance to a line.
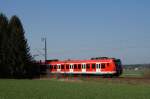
(54,89)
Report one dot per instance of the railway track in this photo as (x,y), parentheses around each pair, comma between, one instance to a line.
(99,77)
(134,78)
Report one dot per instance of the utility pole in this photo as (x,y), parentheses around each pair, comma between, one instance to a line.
(45,55)
(45,48)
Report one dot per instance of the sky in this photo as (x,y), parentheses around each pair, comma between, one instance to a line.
(81,29)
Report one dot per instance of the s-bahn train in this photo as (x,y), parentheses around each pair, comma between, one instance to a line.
(94,66)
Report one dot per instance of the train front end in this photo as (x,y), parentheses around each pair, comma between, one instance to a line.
(119,68)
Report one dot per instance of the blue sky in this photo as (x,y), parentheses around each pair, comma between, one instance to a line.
(80,29)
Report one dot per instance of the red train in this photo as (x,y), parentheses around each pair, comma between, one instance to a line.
(95,66)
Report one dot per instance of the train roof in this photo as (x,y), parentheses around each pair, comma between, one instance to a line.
(80,61)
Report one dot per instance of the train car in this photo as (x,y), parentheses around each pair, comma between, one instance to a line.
(95,66)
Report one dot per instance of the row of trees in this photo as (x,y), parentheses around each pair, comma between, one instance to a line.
(15,58)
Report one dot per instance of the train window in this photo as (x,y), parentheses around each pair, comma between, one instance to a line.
(70,66)
(75,66)
(108,64)
(88,66)
(97,65)
(102,65)
(79,66)
(93,66)
(55,66)
(62,66)
(82,66)
(67,66)
(58,66)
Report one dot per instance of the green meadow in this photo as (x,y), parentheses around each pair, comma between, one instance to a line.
(74,89)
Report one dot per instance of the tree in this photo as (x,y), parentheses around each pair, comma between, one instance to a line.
(3,41)
(15,58)
(20,58)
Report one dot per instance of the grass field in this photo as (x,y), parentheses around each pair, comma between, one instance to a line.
(74,89)
(133,73)
(136,73)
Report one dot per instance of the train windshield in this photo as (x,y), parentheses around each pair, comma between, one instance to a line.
(118,62)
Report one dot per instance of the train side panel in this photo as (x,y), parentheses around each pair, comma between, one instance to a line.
(84,67)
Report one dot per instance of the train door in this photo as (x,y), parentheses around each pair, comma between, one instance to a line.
(58,67)
(83,68)
(71,68)
(98,68)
